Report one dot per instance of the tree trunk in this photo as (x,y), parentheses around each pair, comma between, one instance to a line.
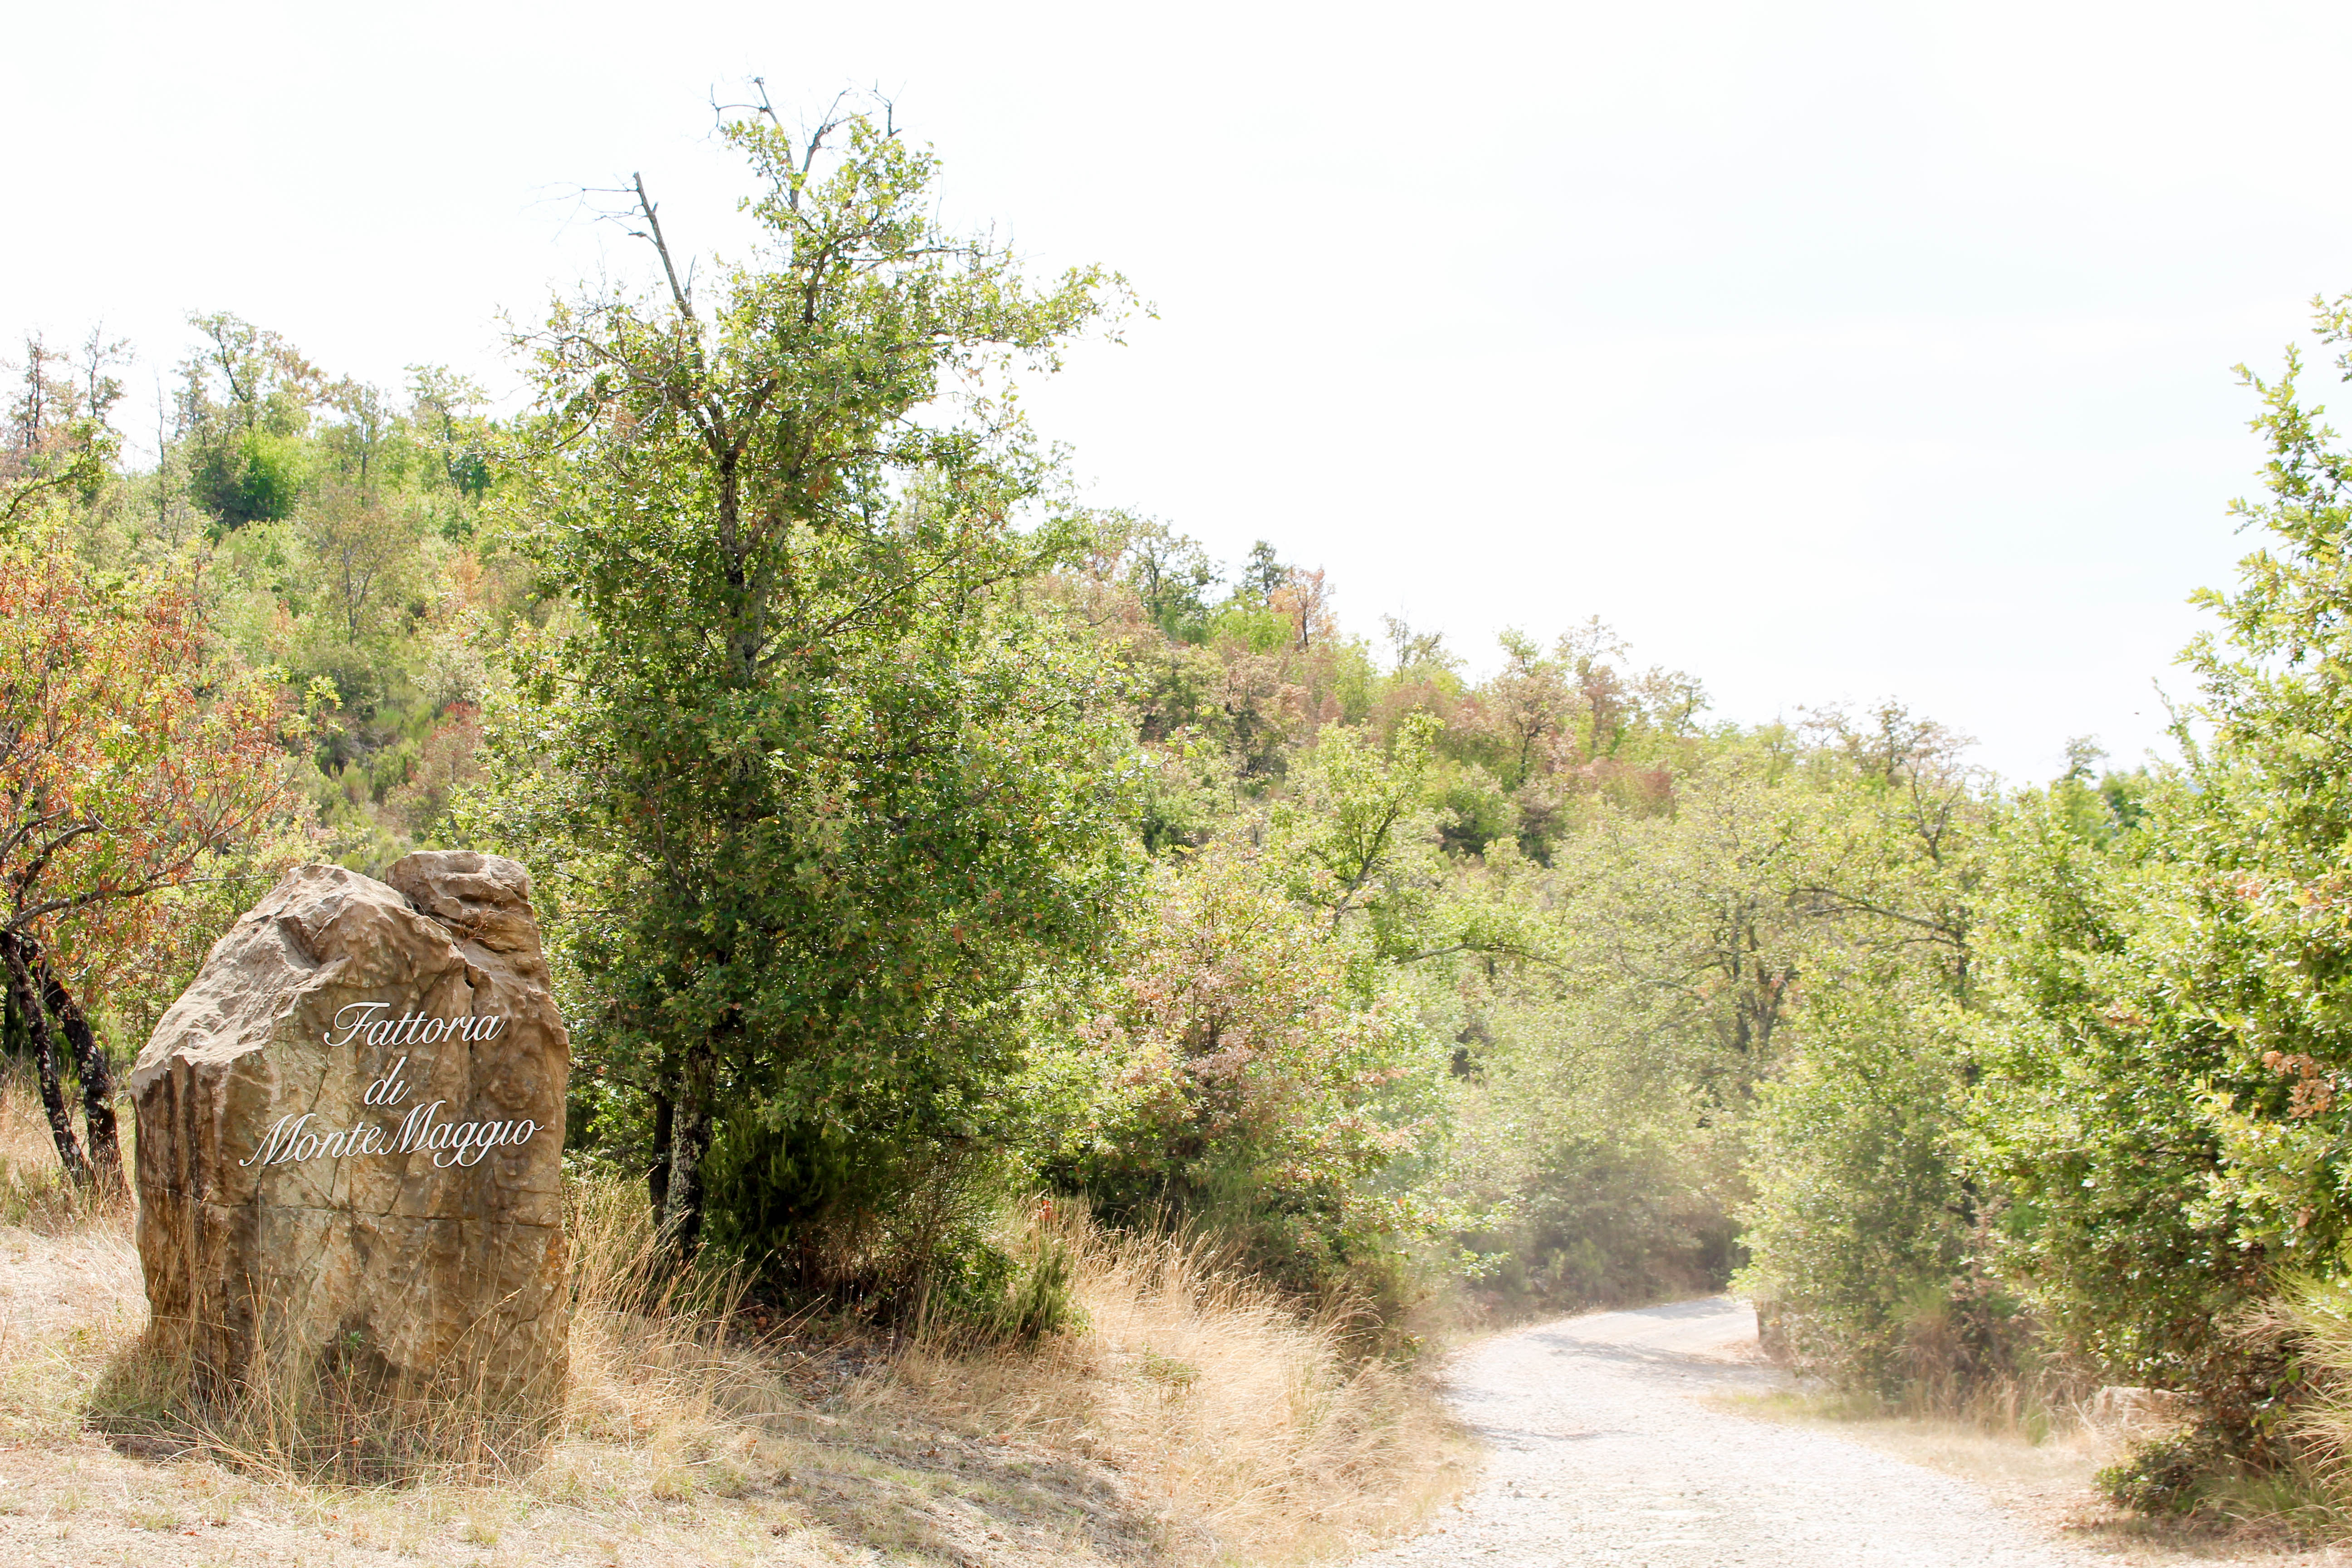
(89,1065)
(45,1059)
(658,1175)
(690,1141)
(16,1041)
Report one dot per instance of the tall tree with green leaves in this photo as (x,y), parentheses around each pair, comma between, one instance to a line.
(245,401)
(826,794)
(2166,1094)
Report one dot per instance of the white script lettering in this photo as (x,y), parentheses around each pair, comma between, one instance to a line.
(293,1138)
(359,1021)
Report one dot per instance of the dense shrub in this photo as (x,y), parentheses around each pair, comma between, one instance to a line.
(1253,1087)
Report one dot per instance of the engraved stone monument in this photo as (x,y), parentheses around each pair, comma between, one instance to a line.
(351,1135)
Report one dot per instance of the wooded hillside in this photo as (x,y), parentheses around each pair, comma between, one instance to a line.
(915,840)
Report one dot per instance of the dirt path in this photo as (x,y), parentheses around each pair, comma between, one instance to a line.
(1603,1453)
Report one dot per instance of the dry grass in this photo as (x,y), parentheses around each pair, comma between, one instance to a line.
(1248,1433)
(1194,1419)
(34,1193)
(2005,1459)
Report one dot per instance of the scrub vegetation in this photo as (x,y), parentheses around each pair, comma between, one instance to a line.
(1193,1416)
(976,910)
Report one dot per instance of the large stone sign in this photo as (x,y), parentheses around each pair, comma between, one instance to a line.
(351,1134)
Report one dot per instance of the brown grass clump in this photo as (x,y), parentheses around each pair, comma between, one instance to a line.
(1194,1418)
(1245,1430)
(2314,1316)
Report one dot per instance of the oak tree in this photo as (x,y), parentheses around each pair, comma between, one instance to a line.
(827,795)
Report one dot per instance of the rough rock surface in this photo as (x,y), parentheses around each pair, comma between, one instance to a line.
(351,1134)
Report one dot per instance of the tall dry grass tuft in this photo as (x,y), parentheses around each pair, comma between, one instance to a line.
(2314,1317)
(2304,1332)
(1247,1431)
(1952,1354)
(655,1347)
(326,1416)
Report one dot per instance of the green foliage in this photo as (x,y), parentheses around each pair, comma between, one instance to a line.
(1639,990)
(1623,1203)
(2089,1112)
(837,798)
(1865,1247)
(1252,1086)
(778,1191)
(2167,1034)
(1473,813)
(2159,1092)
(1866,1234)
(1355,835)
(1254,627)
(2255,938)
(1171,576)
(2170,1474)
(249,476)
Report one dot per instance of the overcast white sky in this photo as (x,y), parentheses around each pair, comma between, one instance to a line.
(1828,352)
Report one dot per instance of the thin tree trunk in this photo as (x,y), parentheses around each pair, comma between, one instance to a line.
(690,1141)
(658,1177)
(45,1061)
(14,1041)
(89,1065)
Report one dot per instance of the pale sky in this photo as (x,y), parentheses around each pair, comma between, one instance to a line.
(1828,352)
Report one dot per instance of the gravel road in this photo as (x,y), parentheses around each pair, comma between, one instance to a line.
(1602,1451)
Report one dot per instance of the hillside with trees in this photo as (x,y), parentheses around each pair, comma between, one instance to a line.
(917,843)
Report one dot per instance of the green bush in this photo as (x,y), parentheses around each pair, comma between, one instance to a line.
(1864,1232)
(890,1224)
(1615,1216)
(251,475)
(1253,1089)
(812,1205)
(2166,1474)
